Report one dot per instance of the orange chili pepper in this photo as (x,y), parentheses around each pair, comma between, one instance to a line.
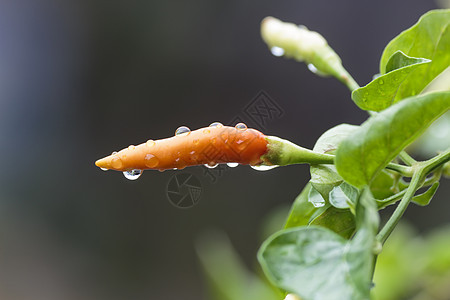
(210,145)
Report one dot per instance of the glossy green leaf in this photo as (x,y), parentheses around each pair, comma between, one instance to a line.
(383,91)
(316,263)
(340,221)
(425,198)
(343,196)
(400,60)
(303,213)
(315,198)
(428,38)
(381,138)
(325,177)
(384,185)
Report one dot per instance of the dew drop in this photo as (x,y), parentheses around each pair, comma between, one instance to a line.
(116,162)
(132,174)
(232,165)
(151,161)
(131,147)
(206,131)
(216,124)
(104,169)
(315,198)
(211,165)
(240,126)
(182,131)
(318,204)
(312,68)
(150,143)
(195,142)
(114,153)
(263,167)
(381,81)
(277,51)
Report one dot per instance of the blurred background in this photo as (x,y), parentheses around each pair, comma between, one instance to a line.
(80,79)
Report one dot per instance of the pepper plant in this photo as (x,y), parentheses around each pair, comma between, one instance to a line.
(332,236)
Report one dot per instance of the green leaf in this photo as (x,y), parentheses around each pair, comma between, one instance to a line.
(315,198)
(425,198)
(343,196)
(400,60)
(325,177)
(428,38)
(340,221)
(303,213)
(381,138)
(316,263)
(383,91)
(384,185)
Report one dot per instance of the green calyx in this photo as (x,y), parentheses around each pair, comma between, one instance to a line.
(282,152)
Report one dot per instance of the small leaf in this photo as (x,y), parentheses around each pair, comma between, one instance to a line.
(315,198)
(384,185)
(340,221)
(316,264)
(325,177)
(381,138)
(343,196)
(400,60)
(383,91)
(302,211)
(425,198)
(428,38)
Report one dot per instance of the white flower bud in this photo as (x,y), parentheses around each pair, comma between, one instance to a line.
(297,42)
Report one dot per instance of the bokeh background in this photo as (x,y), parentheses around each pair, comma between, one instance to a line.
(80,79)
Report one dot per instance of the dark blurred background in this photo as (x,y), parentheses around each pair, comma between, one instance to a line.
(80,79)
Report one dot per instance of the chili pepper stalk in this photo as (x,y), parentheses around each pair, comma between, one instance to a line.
(283,152)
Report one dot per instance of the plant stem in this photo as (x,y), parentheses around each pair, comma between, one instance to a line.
(433,163)
(406,158)
(347,79)
(404,170)
(283,152)
(401,208)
